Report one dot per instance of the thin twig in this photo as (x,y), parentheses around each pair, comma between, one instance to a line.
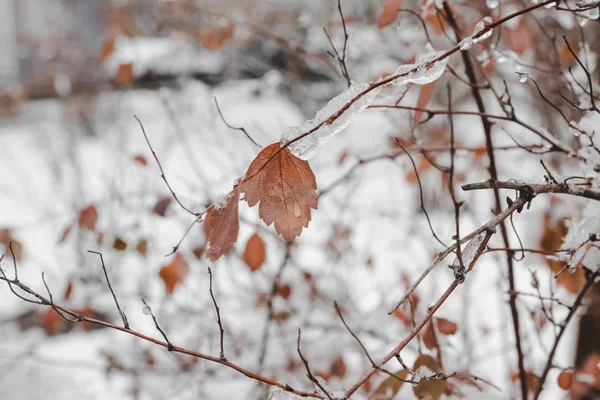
(309,374)
(221,330)
(123,316)
(170,346)
(237,128)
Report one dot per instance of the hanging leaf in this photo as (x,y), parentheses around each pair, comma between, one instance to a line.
(68,291)
(65,233)
(6,238)
(124,75)
(429,338)
(221,225)
(140,160)
(142,247)
(389,387)
(161,206)
(284,290)
(285,186)
(51,322)
(174,273)
(119,244)
(214,37)
(430,389)
(445,326)
(255,252)
(565,380)
(88,217)
(520,38)
(389,13)
(424,96)
(107,48)
(198,251)
(338,367)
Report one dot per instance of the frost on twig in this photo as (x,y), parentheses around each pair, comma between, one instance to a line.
(330,124)
(276,393)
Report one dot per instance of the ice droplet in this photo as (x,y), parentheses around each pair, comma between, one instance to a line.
(297,212)
(439,4)
(146,310)
(522,76)
(550,6)
(481,25)
(424,71)
(492,4)
(469,251)
(466,43)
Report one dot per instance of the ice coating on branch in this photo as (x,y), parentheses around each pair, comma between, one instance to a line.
(469,41)
(423,71)
(276,393)
(469,251)
(423,372)
(332,124)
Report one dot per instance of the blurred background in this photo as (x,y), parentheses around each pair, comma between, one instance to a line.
(77,175)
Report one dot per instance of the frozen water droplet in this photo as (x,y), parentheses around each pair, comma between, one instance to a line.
(439,4)
(492,4)
(424,71)
(146,310)
(522,76)
(481,25)
(466,43)
(297,212)
(551,5)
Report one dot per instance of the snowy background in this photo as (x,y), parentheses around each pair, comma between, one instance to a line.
(70,142)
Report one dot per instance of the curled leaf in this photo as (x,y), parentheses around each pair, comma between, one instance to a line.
(221,226)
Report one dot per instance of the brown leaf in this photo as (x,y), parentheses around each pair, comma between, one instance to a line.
(389,387)
(119,244)
(198,251)
(174,273)
(6,238)
(429,338)
(107,48)
(285,186)
(160,208)
(142,247)
(100,238)
(428,388)
(255,253)
(68,290)
(389,13)
(520,38)
(51,322)
(338,367)
(424,96)
(214,37)
(65,233)
(445,326)
(88,217)
(589,373)
(565,380)
(124,75)
(284,290)
(140,160)
(221,226)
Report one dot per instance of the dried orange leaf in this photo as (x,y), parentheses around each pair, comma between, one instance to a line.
(431,389)
(160,208)
(520,38)
(429,338)
(124,75)
(565,380)
(119,244)
(107,48)
(445,326)
(424,97)
(286,188)
(388,388)
(51,322)
(174,273)
(65,233)
(88,217)
(140,160)
(284,290)
(6,238)
(221,226)
(255,253)
(389,13)
(214,37)
(142,247)
(338,367)
(68,290)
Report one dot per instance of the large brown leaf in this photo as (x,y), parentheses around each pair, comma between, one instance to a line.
(285,186)
(389,13)
(221,226)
